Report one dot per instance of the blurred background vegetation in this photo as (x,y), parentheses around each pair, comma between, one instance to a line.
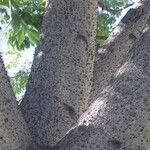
(20,25)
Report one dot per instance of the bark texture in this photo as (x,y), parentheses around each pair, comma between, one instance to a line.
(120,118)
(60,80)
(111,56)
(14,134)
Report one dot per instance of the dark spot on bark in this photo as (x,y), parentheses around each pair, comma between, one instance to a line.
(70,109)
(141,130)
(1,138)
(6,120)
(84,121)
(113,143)
(132,36)
(83,38)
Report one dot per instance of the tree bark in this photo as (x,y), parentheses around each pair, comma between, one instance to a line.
(60,80)
(111,56)
(50,105)
(14,134)
(120,117)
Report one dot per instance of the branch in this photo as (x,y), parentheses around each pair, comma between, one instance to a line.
(13,130)
(110,56)
(60,77)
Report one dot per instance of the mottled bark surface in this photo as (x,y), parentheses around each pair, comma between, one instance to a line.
(60,83)
(120,117)
(111,56)
(60,80)
(14,134)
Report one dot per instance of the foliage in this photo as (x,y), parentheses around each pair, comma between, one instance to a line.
(25,19)
(21,20)
(107,16)
(19,82)
(19,68)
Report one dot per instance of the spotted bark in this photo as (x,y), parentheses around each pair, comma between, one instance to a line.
(14,134)
(60,81)
(119,119)
(111,56)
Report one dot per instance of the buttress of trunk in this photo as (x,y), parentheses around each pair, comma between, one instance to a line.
(14,134)
(111,56)
(60,80)
(120,118)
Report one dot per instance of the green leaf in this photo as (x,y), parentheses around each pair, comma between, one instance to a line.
(15,22)
(24,25)
(19,81)
(27,17)
(33,35)
(20,37)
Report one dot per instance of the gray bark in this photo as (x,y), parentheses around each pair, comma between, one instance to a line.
(14,134)
(120,117)
(60,81)
(111,56)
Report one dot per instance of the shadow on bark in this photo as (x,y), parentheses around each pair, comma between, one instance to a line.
(119,118)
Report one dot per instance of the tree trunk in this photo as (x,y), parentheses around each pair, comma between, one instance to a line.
(14,134)
(120,117)
(60,81)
